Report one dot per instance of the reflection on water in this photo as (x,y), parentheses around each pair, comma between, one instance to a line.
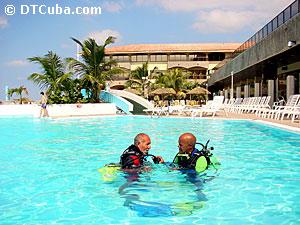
(142,192)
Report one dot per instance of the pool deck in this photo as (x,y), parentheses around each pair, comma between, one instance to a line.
(286,123)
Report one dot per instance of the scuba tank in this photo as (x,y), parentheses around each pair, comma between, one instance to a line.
(199,161)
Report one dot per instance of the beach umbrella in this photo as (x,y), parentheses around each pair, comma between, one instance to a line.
(198,91)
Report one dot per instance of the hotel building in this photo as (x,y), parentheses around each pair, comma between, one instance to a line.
(199,59)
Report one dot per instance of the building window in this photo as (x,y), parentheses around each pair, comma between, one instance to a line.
(294,8)
(270,28)
(133,58)
(139,58)
(216,56)
(287,14)
(158,58)
(265,31)
(252,41)
(275,23)
(280,19)
(121,58)
(260,35)
(178,57)
(197,57)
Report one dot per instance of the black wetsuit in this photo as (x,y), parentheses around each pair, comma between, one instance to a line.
(132,158)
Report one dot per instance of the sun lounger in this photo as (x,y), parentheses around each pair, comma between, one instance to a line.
(212,108)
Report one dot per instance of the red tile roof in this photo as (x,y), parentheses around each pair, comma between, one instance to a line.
(173,48)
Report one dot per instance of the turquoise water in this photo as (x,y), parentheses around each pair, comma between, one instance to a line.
(49,173)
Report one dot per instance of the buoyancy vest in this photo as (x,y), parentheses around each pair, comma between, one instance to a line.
(132,158)
(198,160)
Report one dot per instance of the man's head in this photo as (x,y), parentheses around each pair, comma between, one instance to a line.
(143,142)
(186,143)
(42,93)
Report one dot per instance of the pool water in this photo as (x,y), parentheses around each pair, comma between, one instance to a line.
(49,173)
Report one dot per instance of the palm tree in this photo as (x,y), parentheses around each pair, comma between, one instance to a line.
(95,69)
(18,91)
(140,78)
(173,78)
(53,77)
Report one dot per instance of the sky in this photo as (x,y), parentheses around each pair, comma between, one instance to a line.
(33,28)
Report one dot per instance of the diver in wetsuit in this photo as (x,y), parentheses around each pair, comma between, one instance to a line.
(189,157)
(133,161)
(135,155)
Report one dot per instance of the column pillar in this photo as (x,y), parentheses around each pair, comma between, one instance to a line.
(256,89)
(290,85)
(238,91)
(226,93)
(231,93)
(246,91)
(271,91)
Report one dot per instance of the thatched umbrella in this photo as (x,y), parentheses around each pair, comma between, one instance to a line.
(198,91)
(163,91)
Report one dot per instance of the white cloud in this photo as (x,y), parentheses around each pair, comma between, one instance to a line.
(101,36)
(3,22)
(18,63)
(219,16)
(112,6)
(218,21)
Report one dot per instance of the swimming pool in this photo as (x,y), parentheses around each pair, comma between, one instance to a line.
(49,173)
